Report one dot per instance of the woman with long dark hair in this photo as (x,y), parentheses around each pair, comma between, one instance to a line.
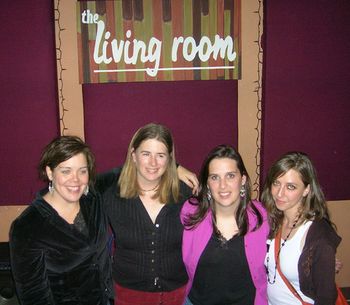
(303,241)
(224,241)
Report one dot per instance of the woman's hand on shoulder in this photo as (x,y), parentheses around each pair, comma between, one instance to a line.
(188,178)
(338,265)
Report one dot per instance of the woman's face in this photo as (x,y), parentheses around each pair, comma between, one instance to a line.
(69,179)
(151,159)
(288,192)
(225,182)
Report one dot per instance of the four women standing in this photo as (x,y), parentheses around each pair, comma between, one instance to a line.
(223,244)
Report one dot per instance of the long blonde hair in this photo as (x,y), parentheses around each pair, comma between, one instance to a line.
(168,190)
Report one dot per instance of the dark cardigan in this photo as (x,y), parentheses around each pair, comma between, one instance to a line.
(316,263)
(138,263)
(53,263)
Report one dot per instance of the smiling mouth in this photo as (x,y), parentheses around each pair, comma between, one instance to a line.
(73,188)
(224,194)
(152,171)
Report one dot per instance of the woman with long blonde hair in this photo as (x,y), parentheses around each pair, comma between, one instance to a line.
(143,206)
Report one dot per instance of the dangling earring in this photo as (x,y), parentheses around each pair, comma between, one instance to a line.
(86,191)
(242,192)
(51,187)
(208,194)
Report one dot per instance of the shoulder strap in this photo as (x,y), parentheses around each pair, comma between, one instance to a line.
(341,300)
(289,285)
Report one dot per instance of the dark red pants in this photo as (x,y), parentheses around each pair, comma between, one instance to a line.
(125,296)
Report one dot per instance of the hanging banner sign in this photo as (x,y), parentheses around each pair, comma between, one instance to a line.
(158,40)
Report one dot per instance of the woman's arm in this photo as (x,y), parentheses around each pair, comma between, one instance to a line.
(28,269)
(323,274)
(107,179)
(188,178)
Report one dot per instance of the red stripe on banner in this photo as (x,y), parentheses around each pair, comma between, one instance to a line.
(177,25)
(94,77)
(220,31)
(157,30)
(196,35)
(110,25)
(128,25)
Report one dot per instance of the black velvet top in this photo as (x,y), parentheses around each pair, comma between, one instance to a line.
(147,255)
(54,262)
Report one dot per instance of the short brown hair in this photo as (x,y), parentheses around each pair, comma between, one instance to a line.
(61,149)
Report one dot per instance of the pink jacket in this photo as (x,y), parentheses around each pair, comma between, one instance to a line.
(194,241)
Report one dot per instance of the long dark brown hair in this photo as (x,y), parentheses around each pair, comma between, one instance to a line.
(313,204)
(205,204)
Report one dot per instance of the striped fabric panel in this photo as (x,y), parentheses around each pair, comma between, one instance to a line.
(163,20)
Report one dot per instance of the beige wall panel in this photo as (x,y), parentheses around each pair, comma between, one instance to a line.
(7,215)
(69,90)
(340,212)
(249,91)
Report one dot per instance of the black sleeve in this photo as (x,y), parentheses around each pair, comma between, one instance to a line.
(185,191)
(107,179)
(29,268)
(323,274)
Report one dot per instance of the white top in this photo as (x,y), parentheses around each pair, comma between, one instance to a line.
(278,293)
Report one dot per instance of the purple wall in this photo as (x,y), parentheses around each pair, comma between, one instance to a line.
(201,115)
(28,105)
(306,97)
(306,87)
